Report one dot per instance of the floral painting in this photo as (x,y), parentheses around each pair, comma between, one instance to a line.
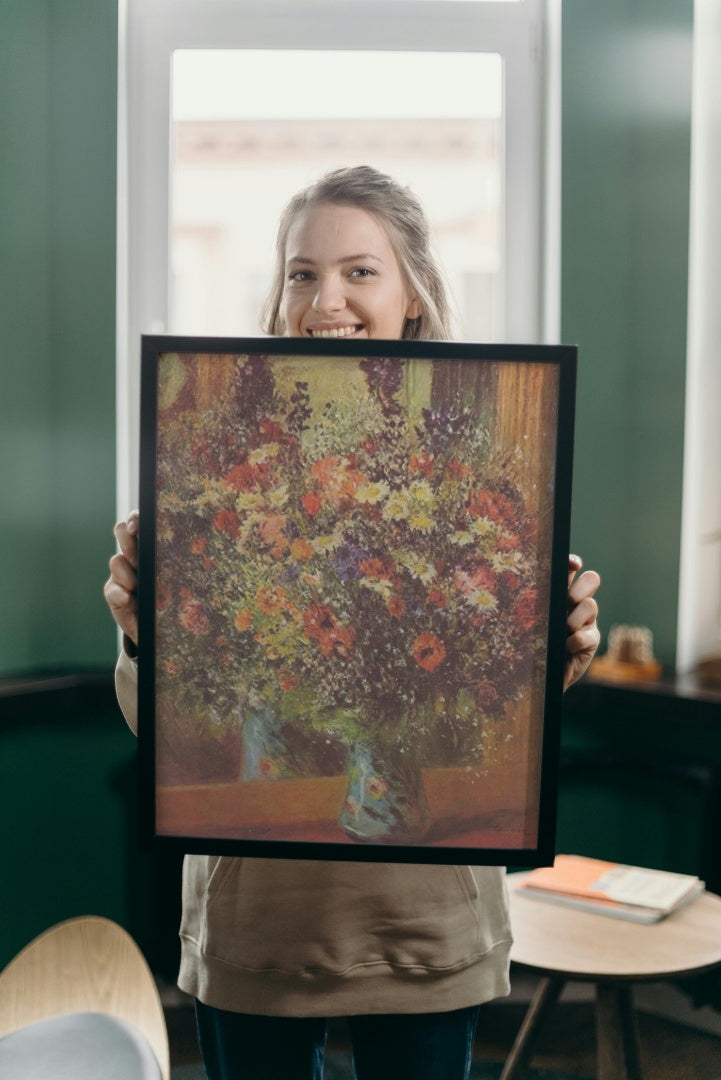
(350,600)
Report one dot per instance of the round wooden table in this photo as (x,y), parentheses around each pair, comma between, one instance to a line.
(562,944)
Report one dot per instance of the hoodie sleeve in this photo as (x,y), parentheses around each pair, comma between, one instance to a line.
(126,688)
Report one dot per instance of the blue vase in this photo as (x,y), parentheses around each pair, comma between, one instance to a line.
(278,750)
(385,799)
(265,751)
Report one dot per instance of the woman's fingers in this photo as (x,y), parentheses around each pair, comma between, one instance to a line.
(121,587)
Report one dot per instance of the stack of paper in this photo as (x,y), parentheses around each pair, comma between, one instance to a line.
(624,892)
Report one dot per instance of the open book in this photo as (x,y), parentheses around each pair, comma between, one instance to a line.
(608,888)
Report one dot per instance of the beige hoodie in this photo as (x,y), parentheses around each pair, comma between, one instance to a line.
(284,937)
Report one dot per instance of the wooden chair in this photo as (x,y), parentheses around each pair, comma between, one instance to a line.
(79,984)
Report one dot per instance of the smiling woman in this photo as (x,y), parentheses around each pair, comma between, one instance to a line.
(353,259)
(331,292)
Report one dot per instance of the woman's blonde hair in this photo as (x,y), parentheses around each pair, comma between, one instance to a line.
(403,217)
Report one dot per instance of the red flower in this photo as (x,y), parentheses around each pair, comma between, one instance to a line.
(428,651)
(508,542)
(486,694)
(455,470)
(320,623)
(478,577)
(226,522)
(436,597)
(194,617)
(492,505)
(162,597)
(374,568)
(524,609)
(246,477)
(198,545)
(311,503)
(270,432)
(396,606)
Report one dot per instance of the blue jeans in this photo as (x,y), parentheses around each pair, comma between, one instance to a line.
(416,1046)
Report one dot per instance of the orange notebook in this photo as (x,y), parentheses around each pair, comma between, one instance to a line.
(631,892)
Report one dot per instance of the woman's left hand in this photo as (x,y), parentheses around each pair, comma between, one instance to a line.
(583,635)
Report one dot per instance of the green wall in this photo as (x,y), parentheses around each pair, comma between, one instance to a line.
(626,145)
(58,72)
(626,137)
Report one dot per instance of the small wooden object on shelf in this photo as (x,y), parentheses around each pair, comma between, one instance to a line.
(629,657)
(709,670)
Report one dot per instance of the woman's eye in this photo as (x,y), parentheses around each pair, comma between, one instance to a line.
(362,272)
(300,276)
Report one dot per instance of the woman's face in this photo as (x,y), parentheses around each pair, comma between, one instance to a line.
(342,277)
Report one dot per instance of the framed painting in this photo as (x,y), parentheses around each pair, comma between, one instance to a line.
(352,597)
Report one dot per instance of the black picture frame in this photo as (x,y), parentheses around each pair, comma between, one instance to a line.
(353,563)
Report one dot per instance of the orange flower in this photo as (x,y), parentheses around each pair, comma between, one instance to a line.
(198,545)
(302,550)
(421,463)
(272,532)
(339,481)
(243,619)
(271,601)
(428,651)
(374,568)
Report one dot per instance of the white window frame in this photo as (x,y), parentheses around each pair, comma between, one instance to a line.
(526,34)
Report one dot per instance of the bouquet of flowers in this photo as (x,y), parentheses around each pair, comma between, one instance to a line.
(356,568)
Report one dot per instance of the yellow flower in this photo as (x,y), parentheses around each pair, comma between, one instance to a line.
(248,500)
(278,496)
(418,567)
(422,492)
(264,453)
(328,542)
(372,493)
(481,599)
(507,561)
(420,521)
(396,507)
(462,538)
(483,527)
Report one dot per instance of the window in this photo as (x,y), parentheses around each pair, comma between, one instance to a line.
(227,107)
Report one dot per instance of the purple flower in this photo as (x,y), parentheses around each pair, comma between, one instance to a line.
(347,560)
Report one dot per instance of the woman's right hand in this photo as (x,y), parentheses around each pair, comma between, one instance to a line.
(121,587)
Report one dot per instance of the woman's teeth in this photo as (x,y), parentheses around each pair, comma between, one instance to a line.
(336,332)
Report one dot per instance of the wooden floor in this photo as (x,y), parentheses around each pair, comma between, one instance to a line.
(669,1051)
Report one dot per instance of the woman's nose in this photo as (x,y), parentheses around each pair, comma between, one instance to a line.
(329,295)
